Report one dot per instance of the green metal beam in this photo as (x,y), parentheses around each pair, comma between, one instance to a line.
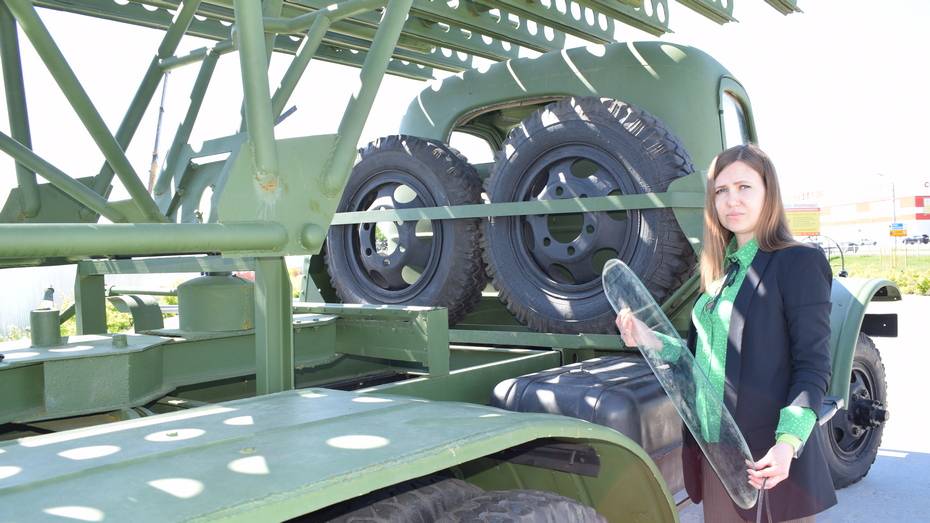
(31,240)
(73,188)
(567,206)
(148,85)
(66,314)
(715,10)
(166,265)
(572,21)
(333,12)
(113,291)
(418,334)
(463,14)
(341,55)
(785,7)
(308,48)
(513,338)
(90,306)
(16,108)
(431,32)
(270,9)
(186,127)
(274,337)
(436,57)
(71,87)
(254,66)
(197,55)
(211,28)
(339,165)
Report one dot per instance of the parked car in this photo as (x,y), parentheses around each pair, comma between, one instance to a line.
(916,239)
(867,241)
(849,246)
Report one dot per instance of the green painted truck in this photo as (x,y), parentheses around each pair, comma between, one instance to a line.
(431,284)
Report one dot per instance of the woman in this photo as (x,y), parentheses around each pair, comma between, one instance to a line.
(760,331)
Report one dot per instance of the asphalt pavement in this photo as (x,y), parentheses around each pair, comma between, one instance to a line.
(897,488)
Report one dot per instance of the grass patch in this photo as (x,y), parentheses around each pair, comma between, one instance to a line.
(910,273)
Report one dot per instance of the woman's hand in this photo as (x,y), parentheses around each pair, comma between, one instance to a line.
(773,467)
(634,332)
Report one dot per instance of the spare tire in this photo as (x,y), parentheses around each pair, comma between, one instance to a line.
(423,262)
(547,267)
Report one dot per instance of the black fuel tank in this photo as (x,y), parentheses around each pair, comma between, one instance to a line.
(619,392)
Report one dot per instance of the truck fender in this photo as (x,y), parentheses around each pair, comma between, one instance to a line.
(850,297)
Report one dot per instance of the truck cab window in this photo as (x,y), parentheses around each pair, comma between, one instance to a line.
(735,128)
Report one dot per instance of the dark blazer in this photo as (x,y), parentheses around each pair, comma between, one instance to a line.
(778,354)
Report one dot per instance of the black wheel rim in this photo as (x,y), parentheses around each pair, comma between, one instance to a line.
(565,253)
(849,437)
(392,261)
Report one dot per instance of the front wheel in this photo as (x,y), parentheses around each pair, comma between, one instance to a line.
(851,439)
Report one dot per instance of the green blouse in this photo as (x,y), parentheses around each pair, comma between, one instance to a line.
(712,325)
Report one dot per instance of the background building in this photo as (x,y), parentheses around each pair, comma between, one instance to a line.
(866,211)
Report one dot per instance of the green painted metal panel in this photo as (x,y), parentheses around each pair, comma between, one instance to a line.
(22,387)
(226,461)
(850,297)
(243,196)
(57,206)
(472,384)
(73,188)
(645,74)
(88,374)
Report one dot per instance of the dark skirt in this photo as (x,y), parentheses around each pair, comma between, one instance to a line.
(717,505)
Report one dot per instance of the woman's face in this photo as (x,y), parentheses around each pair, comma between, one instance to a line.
(738,197)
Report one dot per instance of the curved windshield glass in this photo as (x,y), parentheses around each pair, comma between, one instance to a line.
(673,364)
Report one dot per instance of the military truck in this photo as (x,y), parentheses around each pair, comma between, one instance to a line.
(400,386)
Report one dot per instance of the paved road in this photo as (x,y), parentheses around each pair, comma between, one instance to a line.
(897,488)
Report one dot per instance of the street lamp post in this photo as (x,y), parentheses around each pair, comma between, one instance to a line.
(894,203)
(894,214)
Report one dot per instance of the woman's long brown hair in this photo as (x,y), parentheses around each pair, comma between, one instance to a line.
(772,231)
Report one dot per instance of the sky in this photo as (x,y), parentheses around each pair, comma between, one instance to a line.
(839,92)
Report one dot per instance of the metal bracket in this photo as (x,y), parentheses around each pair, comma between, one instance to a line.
(831,405)
(145,310)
